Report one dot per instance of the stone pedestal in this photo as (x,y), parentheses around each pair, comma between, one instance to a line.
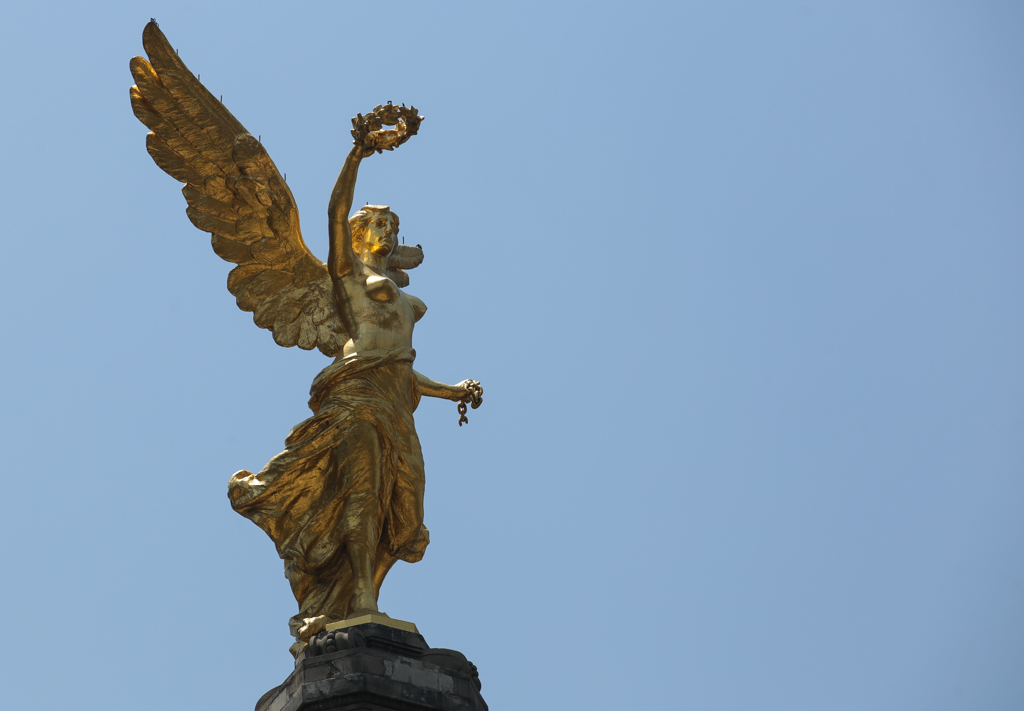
(371,666)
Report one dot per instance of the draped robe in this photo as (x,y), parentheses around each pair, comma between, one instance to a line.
(350,475)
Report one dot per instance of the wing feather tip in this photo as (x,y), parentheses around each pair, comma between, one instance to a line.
(152,34)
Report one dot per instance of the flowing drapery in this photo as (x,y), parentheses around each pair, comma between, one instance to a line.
(350,475)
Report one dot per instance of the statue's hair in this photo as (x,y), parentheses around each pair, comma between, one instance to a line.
(402,257)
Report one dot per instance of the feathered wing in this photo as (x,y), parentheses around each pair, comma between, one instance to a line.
(235,192)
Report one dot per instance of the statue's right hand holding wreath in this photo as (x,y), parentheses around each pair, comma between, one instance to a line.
(368,129)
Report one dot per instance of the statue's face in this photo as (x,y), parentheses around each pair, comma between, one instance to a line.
(380,235)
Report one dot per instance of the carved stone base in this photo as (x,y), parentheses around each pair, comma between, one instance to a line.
(372,667)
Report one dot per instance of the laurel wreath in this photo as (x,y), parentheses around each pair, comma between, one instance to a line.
(368,129)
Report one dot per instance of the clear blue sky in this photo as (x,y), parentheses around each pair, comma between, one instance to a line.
(743,282)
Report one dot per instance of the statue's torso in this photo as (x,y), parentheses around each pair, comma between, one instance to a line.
(384,313)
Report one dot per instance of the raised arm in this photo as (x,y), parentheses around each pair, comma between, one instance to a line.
(369,136)
(341,259)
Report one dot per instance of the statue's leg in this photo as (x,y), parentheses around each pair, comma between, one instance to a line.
(361,460)
(314,595)
(404,537)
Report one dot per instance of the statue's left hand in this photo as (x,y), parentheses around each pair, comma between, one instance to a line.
(470,391)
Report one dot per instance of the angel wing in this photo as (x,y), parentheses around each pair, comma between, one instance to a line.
(235,192)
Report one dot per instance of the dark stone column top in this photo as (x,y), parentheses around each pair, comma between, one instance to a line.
(372,666)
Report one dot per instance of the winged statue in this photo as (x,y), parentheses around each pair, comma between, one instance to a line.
(344,501)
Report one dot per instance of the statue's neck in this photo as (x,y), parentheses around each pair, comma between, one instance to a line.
(376,262)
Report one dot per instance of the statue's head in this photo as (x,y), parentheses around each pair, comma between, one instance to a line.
(374,230)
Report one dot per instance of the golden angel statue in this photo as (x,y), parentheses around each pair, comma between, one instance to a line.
(344,501)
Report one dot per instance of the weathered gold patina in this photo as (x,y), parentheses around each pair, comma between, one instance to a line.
(344,501)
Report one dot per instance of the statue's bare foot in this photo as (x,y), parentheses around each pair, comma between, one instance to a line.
(311,626)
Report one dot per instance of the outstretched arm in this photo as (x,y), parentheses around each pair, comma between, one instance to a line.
(341,259)
(459,393)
